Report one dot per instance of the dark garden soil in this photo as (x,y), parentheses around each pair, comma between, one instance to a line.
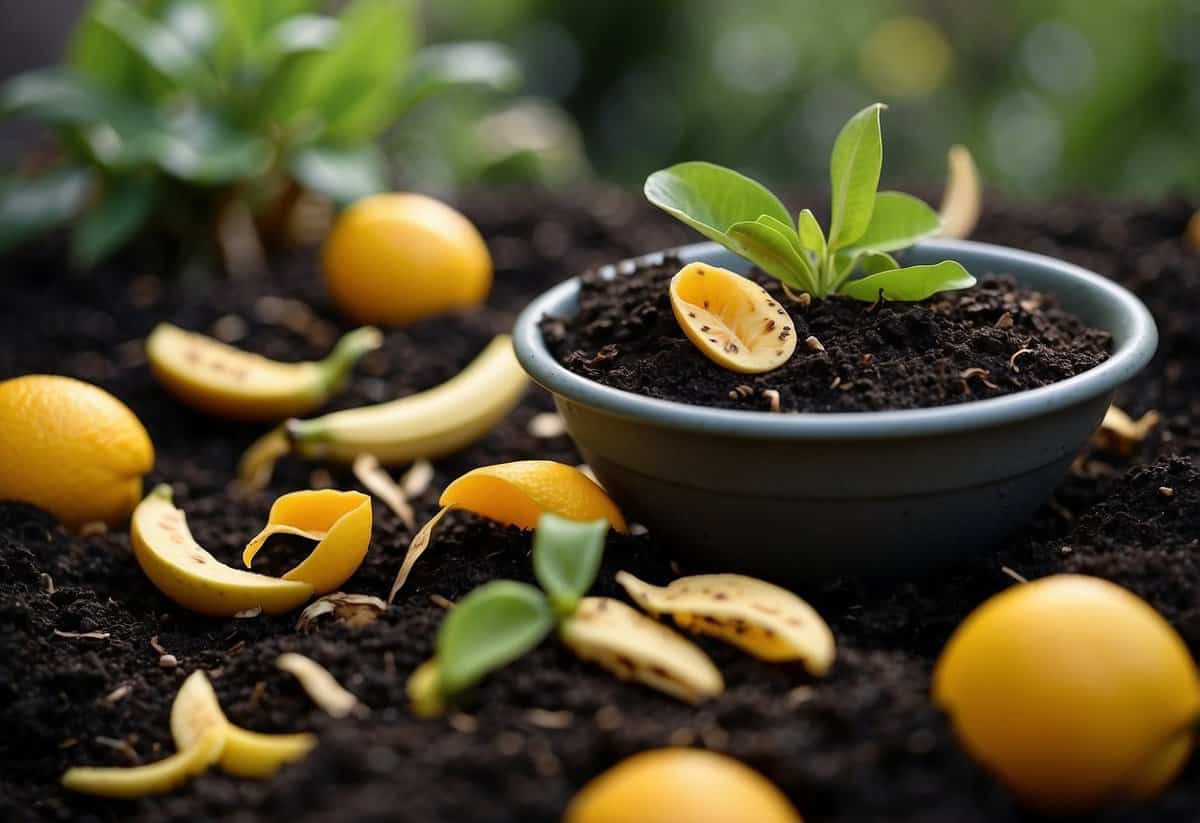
(984,342)
(865,744)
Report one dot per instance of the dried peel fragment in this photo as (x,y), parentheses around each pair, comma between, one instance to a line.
(321,686)
(517,494)
(339,521)
(732,320)
(246,753)
(153,778)
(355,610)
(1122,434)
(635,647)
(962,200)
(767,621)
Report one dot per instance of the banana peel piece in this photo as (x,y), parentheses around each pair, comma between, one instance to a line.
(517,494)
(154,778)
(765,620)
(962,200)
(196,710)
(635,647)
(339,521)
(224,381)
(428,424)
(182,570)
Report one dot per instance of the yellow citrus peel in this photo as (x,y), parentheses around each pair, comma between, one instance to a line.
(153,778)
(1073,691)
(635,647)
(732,320)
(674,785)
(196,710)
(339,521)
(767,621)
(224,381)
(517,494)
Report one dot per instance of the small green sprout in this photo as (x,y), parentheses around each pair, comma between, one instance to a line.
(866,225)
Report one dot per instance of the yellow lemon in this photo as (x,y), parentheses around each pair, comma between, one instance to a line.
(676,785)
(1072,691)
(519,493)
(71,448)
(395,258)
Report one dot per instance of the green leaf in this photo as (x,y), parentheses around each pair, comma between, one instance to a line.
(764,243)
(198,147)
(566,558)
(111,223)
(300,34)
(158,47)
(439,68)
(344,175)
(910,284)
(809,230)
(711,198)
(854,174)
(194,23)
(29,207)
(102,57)
(246,24)
(874,262)
(897,221)
(489,628)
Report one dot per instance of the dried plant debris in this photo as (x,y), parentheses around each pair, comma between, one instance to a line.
(767,621)
(1121,434)
(416,548)
(635,647)
(417,480)
(962,200)
(354,610)
(321,686)
(378,482)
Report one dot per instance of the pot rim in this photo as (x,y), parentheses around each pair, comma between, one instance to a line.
(1129,356)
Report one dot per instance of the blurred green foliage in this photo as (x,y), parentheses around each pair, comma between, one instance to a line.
(1051,95)
(183,111)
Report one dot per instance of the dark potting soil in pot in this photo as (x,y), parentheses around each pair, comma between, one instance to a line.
(994,339)
(865,744)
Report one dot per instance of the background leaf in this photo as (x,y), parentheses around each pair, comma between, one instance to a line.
(854,174)
(489,628)
(159,48)
(435,69)
(198,147)
(765,244)
(344,175)
(566,558)
(31,206)
(113,221)
(711,198)
(910,284)
(897,221)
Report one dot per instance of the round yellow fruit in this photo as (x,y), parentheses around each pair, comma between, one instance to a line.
(1072,691)
(72,449)
(395,258)
(675,785)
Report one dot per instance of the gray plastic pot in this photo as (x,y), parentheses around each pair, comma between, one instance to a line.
(791,496)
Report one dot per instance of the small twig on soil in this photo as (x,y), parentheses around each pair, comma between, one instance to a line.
(441,602)
(1020,578)
(982,374)
(117,695)
(121,746)
(82,635)
(321,686)
(158,647)
(547,719)
(1012,361)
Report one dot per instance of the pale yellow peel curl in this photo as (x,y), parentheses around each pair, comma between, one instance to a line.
(154,778)
(732,320)
(635,647)
(962,200)
(339,521)
(767,621)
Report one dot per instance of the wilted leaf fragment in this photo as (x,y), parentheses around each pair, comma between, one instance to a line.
(378,482)
(1122,434)
(321,686)
(962,199)
(635,647)
(155,778)
(767,621)
(416,548)
(732,320)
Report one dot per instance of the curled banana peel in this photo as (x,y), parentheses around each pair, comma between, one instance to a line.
(339,521)
(517,494)
(153,778)
(196,710)
(765,620)
(224,381)
(635,647)
(428,424)
(962,200)
(183,571)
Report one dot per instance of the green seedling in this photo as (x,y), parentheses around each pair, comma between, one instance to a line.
(866,226)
